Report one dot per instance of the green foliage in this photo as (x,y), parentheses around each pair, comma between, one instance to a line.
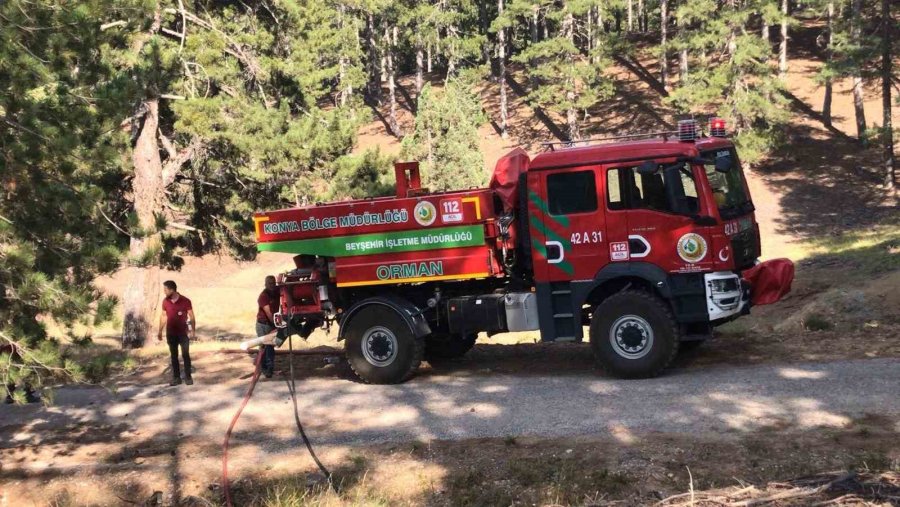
(55,172)
(361,176)
(445,138)
(564,80)
(732,75)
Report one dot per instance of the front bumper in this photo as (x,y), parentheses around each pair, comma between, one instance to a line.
(726,295)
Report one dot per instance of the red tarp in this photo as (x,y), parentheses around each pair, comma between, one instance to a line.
(506,177)
(770,281)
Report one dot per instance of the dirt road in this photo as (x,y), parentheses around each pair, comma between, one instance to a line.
(470,405)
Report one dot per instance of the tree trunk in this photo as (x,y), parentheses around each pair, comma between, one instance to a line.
(568,29)
(630,15)
(535,12)
(372,59)
(641,17)
(429,59)
(484,28)
(858,99)
(826,103)
(345,91)
(663,52)
(589,30)
(890,161)
(764,35)
(142,294)
(420,57)
(783,50)
(683,66)
(392,86)
(501,72)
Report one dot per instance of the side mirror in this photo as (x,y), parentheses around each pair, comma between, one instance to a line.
(647,168)
(704,220)
(723,164)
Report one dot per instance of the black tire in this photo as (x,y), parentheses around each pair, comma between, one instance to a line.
(634,334)
(392,352)
(442,347)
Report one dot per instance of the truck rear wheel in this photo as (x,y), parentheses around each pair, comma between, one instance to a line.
(439,346)
(634,334)
(380,347)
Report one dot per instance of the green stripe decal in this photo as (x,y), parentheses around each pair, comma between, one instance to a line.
(382,242)
(536,199)
(540,248)
(549,234)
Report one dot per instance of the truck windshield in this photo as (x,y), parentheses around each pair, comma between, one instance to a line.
(723,170)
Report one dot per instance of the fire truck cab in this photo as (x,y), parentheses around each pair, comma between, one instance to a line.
(647,243)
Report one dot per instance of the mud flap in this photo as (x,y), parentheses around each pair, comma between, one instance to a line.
(769,281)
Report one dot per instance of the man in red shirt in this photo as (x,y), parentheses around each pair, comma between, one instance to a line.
(267,304)
(178,320)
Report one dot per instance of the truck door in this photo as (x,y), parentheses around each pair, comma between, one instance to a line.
(567,224)
(651,217)
(567,237)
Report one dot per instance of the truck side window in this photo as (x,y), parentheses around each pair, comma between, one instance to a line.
(628,189)
(572,192)
(614,198)
(652,191)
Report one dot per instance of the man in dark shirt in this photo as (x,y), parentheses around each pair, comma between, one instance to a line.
(178,320)
(267,304)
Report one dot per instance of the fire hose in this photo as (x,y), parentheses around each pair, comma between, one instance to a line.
(292,388)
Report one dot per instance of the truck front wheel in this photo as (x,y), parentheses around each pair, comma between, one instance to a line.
(380,346)
(634,334)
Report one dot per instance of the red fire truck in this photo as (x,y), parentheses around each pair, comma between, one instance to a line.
(650,242)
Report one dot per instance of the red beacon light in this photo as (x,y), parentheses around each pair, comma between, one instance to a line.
(717,127)
(688,130)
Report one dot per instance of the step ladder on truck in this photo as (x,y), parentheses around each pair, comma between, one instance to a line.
(649,241)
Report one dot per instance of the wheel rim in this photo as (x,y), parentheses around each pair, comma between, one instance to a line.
(631,336)
(379,346)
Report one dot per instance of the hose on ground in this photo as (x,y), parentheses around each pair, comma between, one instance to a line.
(234,420)
(293,390)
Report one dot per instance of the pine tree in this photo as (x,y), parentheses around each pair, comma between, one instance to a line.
(888,26)
(851,55)
(445,139)
(228,122)
(564,81)
(732,76)
(856,63)
(56,177)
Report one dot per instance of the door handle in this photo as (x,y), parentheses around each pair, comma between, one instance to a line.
(558,256)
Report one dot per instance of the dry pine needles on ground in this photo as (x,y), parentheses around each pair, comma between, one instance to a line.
(831,489)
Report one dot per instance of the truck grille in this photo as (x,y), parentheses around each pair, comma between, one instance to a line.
(745,248)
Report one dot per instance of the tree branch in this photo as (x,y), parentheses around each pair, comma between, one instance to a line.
(139,42)
(123,231)
(183,227)
(167,144)
(174,164)
(111,24)
(234,48)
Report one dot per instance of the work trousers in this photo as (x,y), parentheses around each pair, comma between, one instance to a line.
(268,351)
(174,342)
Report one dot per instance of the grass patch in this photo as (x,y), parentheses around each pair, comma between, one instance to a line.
(817,322)
(869,252)
(103,366)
